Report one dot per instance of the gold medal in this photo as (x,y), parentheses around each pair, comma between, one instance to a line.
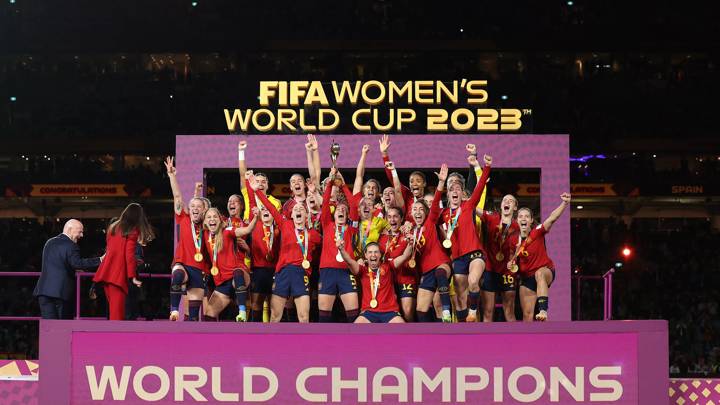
(373,303)
(214,271)
(447,243)
(514,268)
(306,264)
(198,257)
(499,256)
(339,257)
(412,263)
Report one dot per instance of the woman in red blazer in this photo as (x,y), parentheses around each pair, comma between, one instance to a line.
(119,264)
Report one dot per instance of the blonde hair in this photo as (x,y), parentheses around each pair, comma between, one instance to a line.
(218,243)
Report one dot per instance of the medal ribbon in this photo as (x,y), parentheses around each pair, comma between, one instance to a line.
(303,248)
(521,247)
(417,233)
(453,224)
(211,240)
(270,235)
(365,235)
(197,238)
(374,282)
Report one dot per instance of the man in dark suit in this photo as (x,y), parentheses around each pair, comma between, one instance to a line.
(61,257)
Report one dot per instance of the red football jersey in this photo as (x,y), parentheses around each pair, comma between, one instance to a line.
(464,237)
(228,259)
(432,254)
(290,250)
(497,243)
(387,301)
(535,255)
(264,237)
(393,246)
(328,256)
(185,249)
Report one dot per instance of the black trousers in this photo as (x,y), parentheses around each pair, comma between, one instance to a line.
(54,308)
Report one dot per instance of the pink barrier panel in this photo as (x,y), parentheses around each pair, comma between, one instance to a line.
(561,362)
(18,392)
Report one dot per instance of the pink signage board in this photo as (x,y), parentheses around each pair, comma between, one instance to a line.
(163,363)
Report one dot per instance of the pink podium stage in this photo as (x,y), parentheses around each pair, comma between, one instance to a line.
(86,362)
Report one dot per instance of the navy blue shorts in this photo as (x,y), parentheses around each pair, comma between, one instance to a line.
(226,288)
(461,265)
(196,279)
(428,281)
(530,283)
(334,281)
(379,317)
(407,290)
(261,280)
(496,282)
(291,281)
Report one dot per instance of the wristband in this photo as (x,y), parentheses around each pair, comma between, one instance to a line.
(241,154)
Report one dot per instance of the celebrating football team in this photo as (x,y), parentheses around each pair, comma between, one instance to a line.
(390,256)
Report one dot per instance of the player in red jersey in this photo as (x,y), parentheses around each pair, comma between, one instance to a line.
(537,271)
(335,277)
(500,229)
(264,252)
(392,244)
(292,271)
(417,181)
(369,190)
(379,304)
(228,268)
(463,241)
(434,262)
(191,261)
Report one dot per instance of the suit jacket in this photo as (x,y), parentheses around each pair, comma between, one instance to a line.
(61,256)
(120,262)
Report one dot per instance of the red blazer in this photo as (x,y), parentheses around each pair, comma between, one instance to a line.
(119,263)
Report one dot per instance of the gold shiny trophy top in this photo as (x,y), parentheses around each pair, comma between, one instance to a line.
(334,153)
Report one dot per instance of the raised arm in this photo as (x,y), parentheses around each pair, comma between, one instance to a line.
(179,205)
(360,172)
(198,193)
(242,145)
(397,187)
(313,159)
(480,186)
(246,230)
(435,207)
(351,262)
(325,215)
(400,260)
(550,220)
(277,215)
(384,150)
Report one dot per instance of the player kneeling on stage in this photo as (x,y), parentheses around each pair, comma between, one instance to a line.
(379,303)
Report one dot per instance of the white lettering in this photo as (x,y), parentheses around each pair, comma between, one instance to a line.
(401,389)
(338,384)
(513,384)
(614,385)
(217,388)
(302,389)
(181,386)
(462,385)
(161,392)
(97,390)
(248,374)
(421,379)
(557,378)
